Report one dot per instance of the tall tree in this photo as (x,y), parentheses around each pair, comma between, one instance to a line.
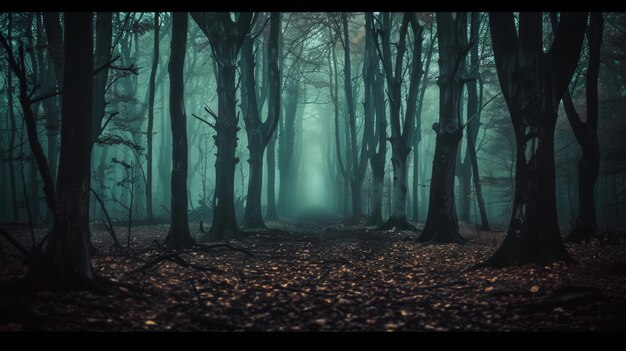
(333,87)
(374,93)
(179,236)
(65,262)
(259,133)
(533,83)
(287,140)
(417,134)
(226,37)
(586,133)
(441,223)
(18,67)
(53,82)
(149,132)
(401,129)
(271,213)
(104,36)
(358,164)
(11,117)
(467,171)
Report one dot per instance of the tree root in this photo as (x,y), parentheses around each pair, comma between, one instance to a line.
(394,223)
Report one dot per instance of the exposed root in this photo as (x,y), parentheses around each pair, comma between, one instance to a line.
(394,223)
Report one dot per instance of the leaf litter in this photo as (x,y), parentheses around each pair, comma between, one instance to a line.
(306,277)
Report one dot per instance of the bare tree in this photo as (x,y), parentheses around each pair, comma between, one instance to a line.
(259,133)
(533,83)
(226,37)
(178,236)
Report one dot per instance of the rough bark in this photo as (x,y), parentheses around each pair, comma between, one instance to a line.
(179,236)
(470,162)
(287,142)
(104,36)
(417,135)
(53,81)
(533,83)
(65,262)
(149,131)
(586,133)
(441,223)
(401,130)
(358,164)
(378,142)
(270,212)
(12,124)
(226,37)
(259,132)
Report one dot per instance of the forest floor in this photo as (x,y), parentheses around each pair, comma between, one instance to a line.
(304,276)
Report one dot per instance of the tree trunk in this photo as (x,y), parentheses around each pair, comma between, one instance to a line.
(259,132)
(417,136)
(36,58)
(224,218)
(149,132)
(397,218)
(165,159)
(378,140)
(253,217)
(484,221)
(401,130)
(287,144)
(271,213)
(357,164)
(66,262)
(586,134)
(104,35)
(226,37)
(534,234)
(179,236)
(441,223)
(533,83)
(474,103)
(13,132)
(54,36)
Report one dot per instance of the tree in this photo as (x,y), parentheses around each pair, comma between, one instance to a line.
(178,236)
(375,98)
(586,133)
(467,167)
(401,130)
(287,145)
(18,67)
(417,134)
(259,133)
(53,81)
(104,36)
(533,83)
(358,159)
(65,262)
(149,132)
(11,113)
(441,223)
(226,37)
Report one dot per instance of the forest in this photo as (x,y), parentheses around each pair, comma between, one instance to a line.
(312,171)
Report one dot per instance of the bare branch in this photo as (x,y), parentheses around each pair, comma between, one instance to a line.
(204,121)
